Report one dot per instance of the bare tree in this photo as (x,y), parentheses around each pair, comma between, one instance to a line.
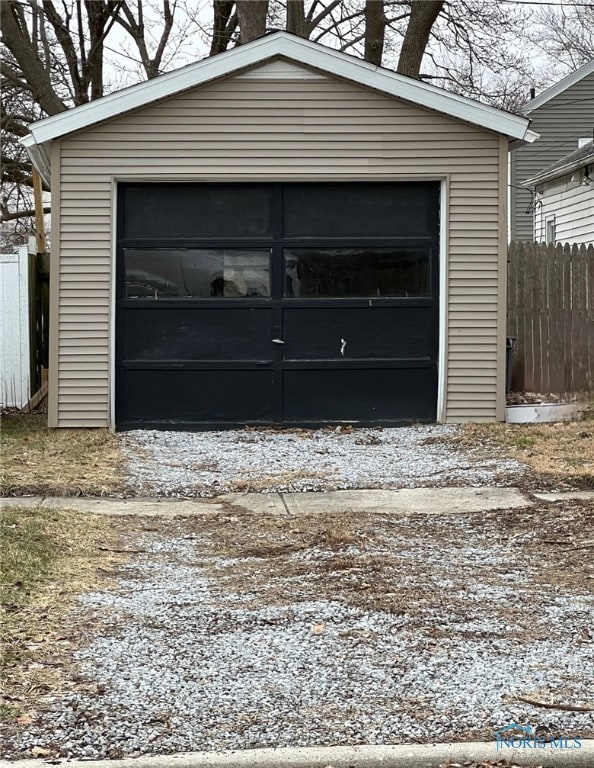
(18,109)
(251,15)
(565,35)
(134,24)
(375,32)
(296,19)
(52,58)
(423,14)
(25,69)
(224,25)
(55,51)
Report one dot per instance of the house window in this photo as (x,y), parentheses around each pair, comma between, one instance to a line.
(551,233)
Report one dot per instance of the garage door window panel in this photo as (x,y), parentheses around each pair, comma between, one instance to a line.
(358,211)
(357,273)
(162,273)
(194,211)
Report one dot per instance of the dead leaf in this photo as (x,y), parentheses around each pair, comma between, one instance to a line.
(317,629)
(24,719)
(41,752)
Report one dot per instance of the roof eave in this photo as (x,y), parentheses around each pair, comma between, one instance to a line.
(557,173)
(558,88)
(284,45)
(40,155)
(529,138)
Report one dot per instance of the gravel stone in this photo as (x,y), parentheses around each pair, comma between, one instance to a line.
(180,661)
(191,464)
(185,663)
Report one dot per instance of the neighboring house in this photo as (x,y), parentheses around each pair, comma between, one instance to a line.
(564,199)
(561,115)
(278,234)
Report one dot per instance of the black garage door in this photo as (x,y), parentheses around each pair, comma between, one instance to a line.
(276,304)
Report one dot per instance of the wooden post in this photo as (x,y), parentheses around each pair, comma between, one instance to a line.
(39,221)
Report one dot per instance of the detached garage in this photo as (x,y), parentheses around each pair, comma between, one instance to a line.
(281,234)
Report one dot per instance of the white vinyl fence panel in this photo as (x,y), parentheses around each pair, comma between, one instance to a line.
(14,329)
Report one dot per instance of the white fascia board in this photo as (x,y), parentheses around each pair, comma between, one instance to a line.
(558,88)
(564,170)
(529,138)
(40,157)
(288,46)
(141,94)
(414,91)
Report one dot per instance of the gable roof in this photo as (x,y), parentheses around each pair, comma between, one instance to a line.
(277,45)
(575,160)
(558,88)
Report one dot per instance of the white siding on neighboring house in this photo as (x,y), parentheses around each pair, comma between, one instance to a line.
(257,127)
(560,122)
(14,329)
(568,207)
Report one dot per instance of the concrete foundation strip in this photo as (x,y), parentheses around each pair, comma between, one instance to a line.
(367,756)
(405,501)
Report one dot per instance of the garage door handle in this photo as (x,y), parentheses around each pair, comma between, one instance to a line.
(277,341)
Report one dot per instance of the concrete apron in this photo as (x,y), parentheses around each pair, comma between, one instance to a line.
(393,756)
(405,501)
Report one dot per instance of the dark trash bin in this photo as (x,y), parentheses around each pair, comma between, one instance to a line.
(510,345)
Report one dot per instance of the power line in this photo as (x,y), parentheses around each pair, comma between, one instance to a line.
(554,5)
(542,150)
(561,103)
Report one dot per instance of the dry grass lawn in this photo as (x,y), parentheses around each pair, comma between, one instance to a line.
(561,453)
(47,558)
(359,557)
(60,462)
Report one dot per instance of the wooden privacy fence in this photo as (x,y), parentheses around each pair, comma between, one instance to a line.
(550,311)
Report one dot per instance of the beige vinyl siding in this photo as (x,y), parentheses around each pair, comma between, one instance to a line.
(560,122)
(245,128)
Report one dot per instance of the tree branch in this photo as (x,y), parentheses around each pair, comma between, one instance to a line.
(22,214)
(323,13)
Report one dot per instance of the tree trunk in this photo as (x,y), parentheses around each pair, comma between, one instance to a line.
(224,24)
(251,15)
(296,21)
(423,14)
(375,28)
(16,38)
(97,16)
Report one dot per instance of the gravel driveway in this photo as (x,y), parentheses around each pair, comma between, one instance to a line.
(237,630)
(185,464)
